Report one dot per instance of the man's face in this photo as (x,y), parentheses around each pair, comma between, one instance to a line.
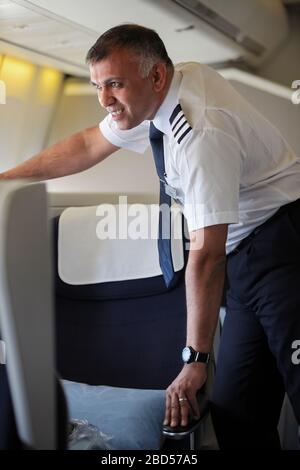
(129,98)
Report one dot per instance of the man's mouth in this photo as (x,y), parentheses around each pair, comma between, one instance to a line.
(116,112)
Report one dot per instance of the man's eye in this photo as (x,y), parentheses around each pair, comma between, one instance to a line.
(115,84)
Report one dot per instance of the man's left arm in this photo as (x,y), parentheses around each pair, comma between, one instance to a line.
(204,287)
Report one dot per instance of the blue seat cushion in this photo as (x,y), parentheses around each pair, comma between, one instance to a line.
(127,418)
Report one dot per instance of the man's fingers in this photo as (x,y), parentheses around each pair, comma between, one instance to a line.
(179,409)
(184,409)
(168,410)
(175,410)
(181,400)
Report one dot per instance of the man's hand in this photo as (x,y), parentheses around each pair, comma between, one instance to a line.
(181,401)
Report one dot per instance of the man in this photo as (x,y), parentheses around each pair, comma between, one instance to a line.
(232,172)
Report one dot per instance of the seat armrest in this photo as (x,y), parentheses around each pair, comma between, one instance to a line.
(180,432)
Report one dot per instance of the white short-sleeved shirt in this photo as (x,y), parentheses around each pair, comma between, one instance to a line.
(224,160)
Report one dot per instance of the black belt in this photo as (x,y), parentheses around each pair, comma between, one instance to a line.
(258,229)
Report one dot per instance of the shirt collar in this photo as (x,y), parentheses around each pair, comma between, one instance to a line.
(162,116)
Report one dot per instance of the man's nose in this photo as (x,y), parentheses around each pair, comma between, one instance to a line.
(105,97)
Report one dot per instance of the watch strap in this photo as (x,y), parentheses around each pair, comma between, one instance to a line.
(201,357)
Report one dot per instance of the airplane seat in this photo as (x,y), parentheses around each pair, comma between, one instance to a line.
(33,409)
(118,326)
(9,439)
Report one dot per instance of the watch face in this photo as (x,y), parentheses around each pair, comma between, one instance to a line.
(186,354)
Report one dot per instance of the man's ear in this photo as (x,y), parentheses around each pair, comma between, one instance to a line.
(159,76)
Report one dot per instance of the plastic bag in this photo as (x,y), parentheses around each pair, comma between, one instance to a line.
(85,436)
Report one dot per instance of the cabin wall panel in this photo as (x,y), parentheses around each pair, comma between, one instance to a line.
(25,118)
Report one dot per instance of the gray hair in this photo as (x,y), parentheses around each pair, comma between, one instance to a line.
(147,47)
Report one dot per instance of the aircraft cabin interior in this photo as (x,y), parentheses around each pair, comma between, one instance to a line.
(90,333)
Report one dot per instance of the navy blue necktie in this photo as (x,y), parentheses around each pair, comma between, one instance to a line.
(164,233)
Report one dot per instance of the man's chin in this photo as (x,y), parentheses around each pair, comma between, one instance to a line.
(126,124)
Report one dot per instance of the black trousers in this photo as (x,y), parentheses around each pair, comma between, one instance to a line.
(255,363)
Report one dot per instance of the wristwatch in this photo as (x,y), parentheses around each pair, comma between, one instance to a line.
(190,355)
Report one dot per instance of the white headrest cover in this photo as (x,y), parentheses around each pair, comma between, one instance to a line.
(93,250)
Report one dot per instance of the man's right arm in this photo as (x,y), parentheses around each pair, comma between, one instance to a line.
(72,155)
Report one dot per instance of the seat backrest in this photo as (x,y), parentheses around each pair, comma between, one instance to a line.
(9,439)
(125,333)
(26,312)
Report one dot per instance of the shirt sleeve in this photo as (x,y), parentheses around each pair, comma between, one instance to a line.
(135,139)
(210,179)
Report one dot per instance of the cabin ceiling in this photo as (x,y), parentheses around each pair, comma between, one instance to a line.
(59,32)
